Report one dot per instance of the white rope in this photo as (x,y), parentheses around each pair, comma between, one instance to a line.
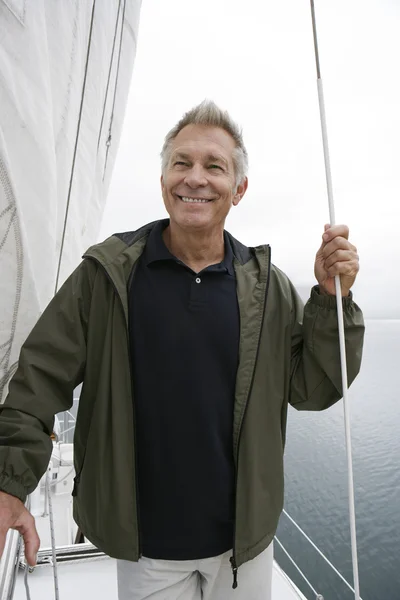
(317,595)
(27,591)
(309,540)
(48,484)
(53,541)
(26,584)
(342,344)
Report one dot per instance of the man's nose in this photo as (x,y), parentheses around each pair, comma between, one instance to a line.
(196,177)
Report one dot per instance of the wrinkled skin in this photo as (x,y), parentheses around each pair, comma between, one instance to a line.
(200,167)
(336,256)
(14,515)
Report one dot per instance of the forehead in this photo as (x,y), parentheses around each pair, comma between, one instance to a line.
(204,140)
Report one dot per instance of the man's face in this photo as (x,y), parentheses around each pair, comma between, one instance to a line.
(201,168)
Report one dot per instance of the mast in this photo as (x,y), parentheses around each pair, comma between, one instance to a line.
(340,315)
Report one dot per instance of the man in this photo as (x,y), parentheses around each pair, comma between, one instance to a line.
(190,347)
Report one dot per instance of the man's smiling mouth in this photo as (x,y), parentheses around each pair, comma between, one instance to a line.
(194,200)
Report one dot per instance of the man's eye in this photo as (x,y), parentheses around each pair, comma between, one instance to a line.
(180,162)
(215,167)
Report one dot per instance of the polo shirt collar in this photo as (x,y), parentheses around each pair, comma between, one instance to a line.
(156,249)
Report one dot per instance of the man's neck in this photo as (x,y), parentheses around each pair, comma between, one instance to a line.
(197,250)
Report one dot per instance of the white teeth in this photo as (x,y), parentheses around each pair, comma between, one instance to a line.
(203,200)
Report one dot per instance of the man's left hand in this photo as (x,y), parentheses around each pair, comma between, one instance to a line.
(336,256)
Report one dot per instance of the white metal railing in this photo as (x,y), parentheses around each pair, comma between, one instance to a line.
(9,562)
(317,595)
(309,540)
(68,419)
(9,565)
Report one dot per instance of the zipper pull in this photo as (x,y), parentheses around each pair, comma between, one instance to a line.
(234,571)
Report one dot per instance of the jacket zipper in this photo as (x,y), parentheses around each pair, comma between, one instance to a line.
(232,560)
(76,481)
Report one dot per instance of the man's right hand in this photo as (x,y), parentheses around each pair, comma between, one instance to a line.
(14,515)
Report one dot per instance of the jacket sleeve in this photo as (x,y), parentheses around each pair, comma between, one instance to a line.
(316,381)
(51,365)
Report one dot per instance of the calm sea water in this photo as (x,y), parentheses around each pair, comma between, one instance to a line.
(316,480)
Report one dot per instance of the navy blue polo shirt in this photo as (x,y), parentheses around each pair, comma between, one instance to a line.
(184,336)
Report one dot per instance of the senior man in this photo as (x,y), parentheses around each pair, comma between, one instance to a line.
(190,346)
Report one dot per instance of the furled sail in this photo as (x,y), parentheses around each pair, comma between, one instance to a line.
(65,70)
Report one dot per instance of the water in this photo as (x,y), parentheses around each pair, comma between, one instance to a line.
(316,480)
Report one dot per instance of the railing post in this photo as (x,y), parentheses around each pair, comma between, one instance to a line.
(9,564)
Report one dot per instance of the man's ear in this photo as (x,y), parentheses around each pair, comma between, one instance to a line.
(240,191)
(162,182)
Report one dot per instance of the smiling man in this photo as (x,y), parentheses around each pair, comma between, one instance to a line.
(190,347)
(200,184)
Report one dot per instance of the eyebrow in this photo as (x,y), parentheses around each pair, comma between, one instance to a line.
(209,158)
(216,158)
(180,155)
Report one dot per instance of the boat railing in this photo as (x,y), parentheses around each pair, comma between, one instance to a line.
(318,596)
(9,565)
(67,424)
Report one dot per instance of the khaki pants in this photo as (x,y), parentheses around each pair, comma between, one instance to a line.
(207,579)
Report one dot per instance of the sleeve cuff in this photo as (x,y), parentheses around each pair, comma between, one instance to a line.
(329,301)
(12,487)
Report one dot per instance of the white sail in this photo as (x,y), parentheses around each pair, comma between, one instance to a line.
(65,70)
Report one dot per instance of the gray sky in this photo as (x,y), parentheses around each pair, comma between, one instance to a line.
(256,59)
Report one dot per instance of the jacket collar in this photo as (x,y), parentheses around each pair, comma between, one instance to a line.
(119,254)
(241,252)
(156,250)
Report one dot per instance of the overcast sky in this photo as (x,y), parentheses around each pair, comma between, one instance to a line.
(256,59)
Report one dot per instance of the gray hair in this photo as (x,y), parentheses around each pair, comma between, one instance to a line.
(209,114)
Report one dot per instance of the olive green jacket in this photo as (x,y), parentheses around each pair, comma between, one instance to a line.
(82,336)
